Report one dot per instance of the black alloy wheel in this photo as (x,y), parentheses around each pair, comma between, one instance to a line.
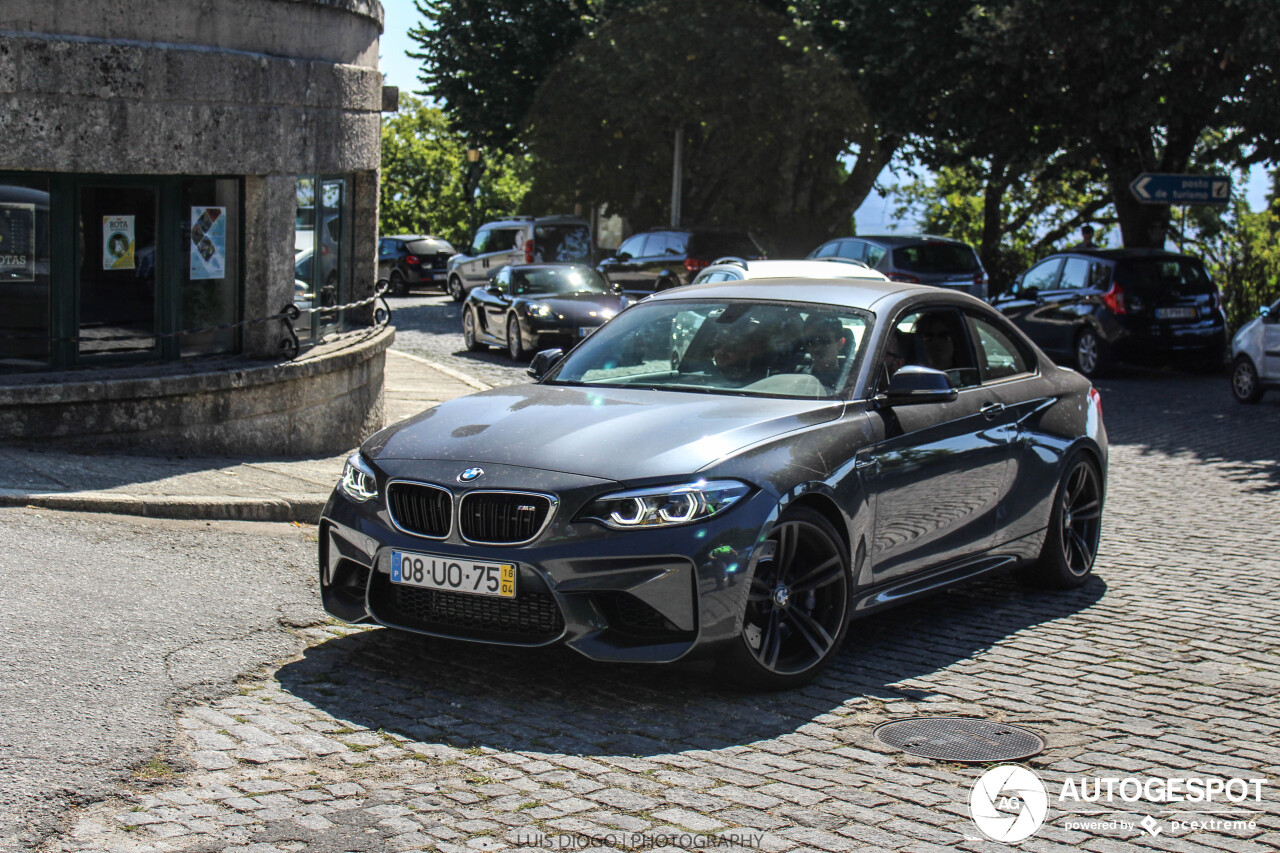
(1075,526)
(399,287)
(1090,353)
(469,332)
(1245,385)
(515,345)
(797,610)
(456,289)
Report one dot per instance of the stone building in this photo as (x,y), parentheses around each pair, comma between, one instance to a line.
(175,166)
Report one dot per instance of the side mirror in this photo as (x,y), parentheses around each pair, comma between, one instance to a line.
(1265,313)
(493,289)
(620,258)
(914,384)
(616,287)
(544,361)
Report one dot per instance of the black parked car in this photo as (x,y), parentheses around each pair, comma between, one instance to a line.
(529,307)
(412,260)
(1092,308)
(657,260)
(914,259)
(729,502)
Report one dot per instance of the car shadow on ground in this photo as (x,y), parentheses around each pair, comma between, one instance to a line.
(553,700)
(1173,413)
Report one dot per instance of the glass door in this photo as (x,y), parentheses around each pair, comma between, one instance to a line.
(116,268)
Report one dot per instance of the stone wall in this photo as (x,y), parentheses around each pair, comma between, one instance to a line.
(326,402)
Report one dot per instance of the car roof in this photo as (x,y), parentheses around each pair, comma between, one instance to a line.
(785,268)
(547,266)
(414,237)
(901,239)
(1122,254)
(864,293)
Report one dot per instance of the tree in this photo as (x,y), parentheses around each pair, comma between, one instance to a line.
(1137,85)
(424,167)
(764,112)
(1034,216)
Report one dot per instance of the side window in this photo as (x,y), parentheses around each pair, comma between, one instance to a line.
(481,242)
(827,250)
(937,338)
(386,248)
(1043,275)
(854,250)
(503,279)
(999,355)
(874,254)
(1099,276)
(503,240)
(1075,273)
(676,244)
(632,246)
(658,246)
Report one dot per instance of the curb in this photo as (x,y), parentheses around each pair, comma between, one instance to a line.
(305,510)
(465,378)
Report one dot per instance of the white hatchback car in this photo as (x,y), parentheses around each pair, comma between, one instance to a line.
(1255,356)
(736,269)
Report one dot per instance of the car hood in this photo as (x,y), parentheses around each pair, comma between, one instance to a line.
(580,304)
(610,433)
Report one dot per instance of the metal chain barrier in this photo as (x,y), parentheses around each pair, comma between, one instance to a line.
(290,345)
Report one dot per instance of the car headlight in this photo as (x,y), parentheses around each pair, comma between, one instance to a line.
(539,309)
(665,506)
(358,481)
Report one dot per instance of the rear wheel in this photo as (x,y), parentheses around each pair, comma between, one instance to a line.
(797,611)
(515,344)
(1075,524)
(1245,384)
(469,332)
(1091,354)
(456,290)
(399,287)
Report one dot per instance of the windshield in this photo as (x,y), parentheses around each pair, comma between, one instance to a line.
(936,258)
(548,282)
(1184,274)
(765,349)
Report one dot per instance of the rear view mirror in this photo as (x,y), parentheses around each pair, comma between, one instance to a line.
(544,361)
(914,384)
(1265,313)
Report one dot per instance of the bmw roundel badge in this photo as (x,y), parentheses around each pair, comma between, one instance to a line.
(470,474)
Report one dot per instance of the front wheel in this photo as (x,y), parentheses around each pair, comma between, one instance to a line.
(456,290)
(399,287)
(1091,353)
(1245,385)
(1075,525)
(797,611)
(515,344)
(469,336)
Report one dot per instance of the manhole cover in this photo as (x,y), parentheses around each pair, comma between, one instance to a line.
(959,739)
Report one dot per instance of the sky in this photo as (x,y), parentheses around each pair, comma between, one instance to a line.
(875,215)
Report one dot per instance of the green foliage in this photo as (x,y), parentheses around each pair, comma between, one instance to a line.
(765,116)
(424,167)
(1034,213)
(1242,251)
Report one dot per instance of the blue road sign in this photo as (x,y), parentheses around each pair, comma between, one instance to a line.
(1152,188)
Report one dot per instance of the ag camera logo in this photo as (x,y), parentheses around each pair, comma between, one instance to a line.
(1008,803)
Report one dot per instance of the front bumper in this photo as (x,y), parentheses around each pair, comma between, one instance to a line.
(643,595)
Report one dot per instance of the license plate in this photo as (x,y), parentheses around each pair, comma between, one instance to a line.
(450,574)
(1175,313)
(583,331)
(436,276)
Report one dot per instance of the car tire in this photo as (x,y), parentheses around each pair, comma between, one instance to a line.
(470,334)
(1075,526)
(399,287)
(1091,357)
(515,342)
(1246,386)
(456,290)
(798,605)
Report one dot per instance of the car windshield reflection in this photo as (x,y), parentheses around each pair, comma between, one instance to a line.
(553,282)
(729,347)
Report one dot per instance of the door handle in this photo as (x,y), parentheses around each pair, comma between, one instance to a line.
(991,410)
(866,463)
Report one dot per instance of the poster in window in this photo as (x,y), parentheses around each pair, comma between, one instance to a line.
(208,242)
(17,242)
(117,243)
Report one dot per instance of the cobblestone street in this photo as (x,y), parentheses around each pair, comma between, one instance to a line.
(1166,664)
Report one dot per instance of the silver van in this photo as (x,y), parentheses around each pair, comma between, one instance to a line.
(518,240)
